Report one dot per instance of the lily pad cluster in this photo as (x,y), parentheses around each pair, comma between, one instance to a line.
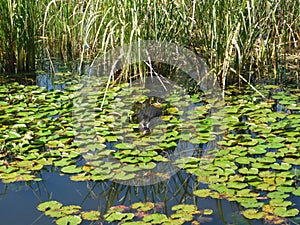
(71,214)
(39,129)
(115,149)
(256,164)
(137,213)
(35,131)
(258,158)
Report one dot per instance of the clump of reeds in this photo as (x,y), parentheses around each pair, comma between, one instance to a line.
(239,40)
(252,39)
(18,24)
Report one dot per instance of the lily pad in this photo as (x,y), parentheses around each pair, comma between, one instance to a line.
(155,218)
(284,212)
(253,214)
(71,169)
(68,220)
(90,215)
(50,205)
(143,206)
(202,193)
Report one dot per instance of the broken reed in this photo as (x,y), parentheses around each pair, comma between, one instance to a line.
(253,39)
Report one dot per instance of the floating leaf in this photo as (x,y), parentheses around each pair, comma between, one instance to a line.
(50,205)
(143,206)
(71,169)
(155,218)
(124,176)
(118,216)
(277,194)
(125,146)
(185,207)
(80,177)
(245,170)
(253,214)
(147,166)
(259,149)
(68,220)
(244,160)
(250,202)
(284,212)
(70,209)
(236,185)
(182,216)
(130,168)
(207,212)
(296,192)
(91,215)
(202,193)
(282,166)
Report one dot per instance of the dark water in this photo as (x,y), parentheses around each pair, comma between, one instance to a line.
(18,201)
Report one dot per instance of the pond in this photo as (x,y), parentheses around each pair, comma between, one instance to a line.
(62,163)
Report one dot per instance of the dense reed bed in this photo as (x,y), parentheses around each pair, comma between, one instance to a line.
(240,40)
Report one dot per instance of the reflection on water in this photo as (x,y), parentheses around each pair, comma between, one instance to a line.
(19,200)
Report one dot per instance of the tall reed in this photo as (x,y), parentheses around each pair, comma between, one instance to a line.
(253,39)
(18,23)
(239,40)
(248,38)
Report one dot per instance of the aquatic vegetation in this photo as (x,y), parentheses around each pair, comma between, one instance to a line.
(254,164)
(257,158)
(254,35)
(140,213)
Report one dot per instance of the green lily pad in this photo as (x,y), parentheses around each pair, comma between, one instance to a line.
(285,189)
(279,202)
(296,192)
(125,146)
(282,166)
(70,209)
(277,194)
(236,185)
(253,214)
(259,149)
(12,135)
(250,202)
(118,216)
(68,220)
(155,218)
(124,176)
(245,170)
(182,216)
(244,160)
(143,206)
(90,215)
(202,193)
(147,166)
(131,168)
(207,212)
(185,208)
(284,212)
(50,205)
(71,169)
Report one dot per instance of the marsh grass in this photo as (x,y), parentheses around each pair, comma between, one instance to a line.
(239,40)
(252,39)
(17,35)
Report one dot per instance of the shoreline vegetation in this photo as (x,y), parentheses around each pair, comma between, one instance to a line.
(248,41)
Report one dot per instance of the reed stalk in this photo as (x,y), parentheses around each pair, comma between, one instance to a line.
(18,35)
(257,40)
